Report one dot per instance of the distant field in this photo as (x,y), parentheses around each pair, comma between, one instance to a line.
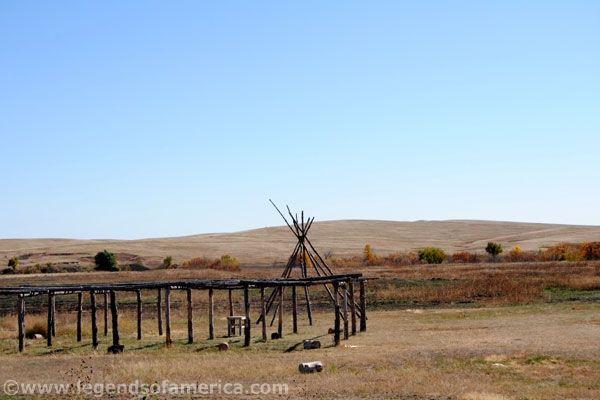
(268,245)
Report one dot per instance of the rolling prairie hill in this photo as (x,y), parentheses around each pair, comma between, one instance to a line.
(267,245)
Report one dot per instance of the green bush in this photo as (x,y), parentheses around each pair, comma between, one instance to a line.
(168,262)
(493,249)
(13,263)
(106,261)
(432,255)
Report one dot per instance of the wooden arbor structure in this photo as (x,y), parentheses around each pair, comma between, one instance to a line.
(307,261)
(163,305)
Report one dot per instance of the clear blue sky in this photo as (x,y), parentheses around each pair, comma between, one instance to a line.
(140,119)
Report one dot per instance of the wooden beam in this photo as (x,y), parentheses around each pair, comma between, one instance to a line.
(53,309)
(94,322)
(363,306)
(138,297)
(168,340)
(230,294)
(263,311)
(105,295)
(336,307)
(294,310)
(21,322)
(79,312)
(49,325)
(345,308)
(247,312)
(159,311)
(280,314)
(211,314)
(352,306)
(308,306)
(190,316)
(114,312)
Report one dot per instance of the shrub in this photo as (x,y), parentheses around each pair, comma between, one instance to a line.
(465,257)
(197,263)
(432,255)
(591,250)
(106,261)
(38,328)
(167,262)
(562,252)
(228,263)
(369,256)
(493,249)
(13,263)
(400,259)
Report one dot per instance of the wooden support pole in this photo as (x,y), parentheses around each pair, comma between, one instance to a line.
(231,312)
(363,306)
(94,322)
(21,322)
(49,325)
(263,312)
(211,314)
(159,311)
(345,308)
(294,310)
(105,295)
(79,312)
(190,316)
(114,313)
(280,314)
(168,340)
(308,306)
(53,307)
(336,304)
(138,297)
(352,306)
(247,313)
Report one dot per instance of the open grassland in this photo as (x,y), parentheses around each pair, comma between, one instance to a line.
(274,244)
(450,331)
(518,352)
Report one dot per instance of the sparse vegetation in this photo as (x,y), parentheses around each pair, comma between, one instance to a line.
(225,263)
(13,263)
(106,261)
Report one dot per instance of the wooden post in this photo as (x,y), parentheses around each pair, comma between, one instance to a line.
(159,311)
(50,316)
(247,313)
(363,306)
(79,312)
(114,312)
(280,313)
(211,314)
(105,295)
(168,340)
(336,303)
(138,296)
(94,322)
(21,322)
(308,306)
(263,312)
(294,311)
(352,306)
(190,316)
(230,303)
(345,308)
(53,305)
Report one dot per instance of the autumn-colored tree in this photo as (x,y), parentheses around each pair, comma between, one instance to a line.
(369,256)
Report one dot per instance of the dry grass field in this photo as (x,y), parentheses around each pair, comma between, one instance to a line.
(341,238)
(481,331)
